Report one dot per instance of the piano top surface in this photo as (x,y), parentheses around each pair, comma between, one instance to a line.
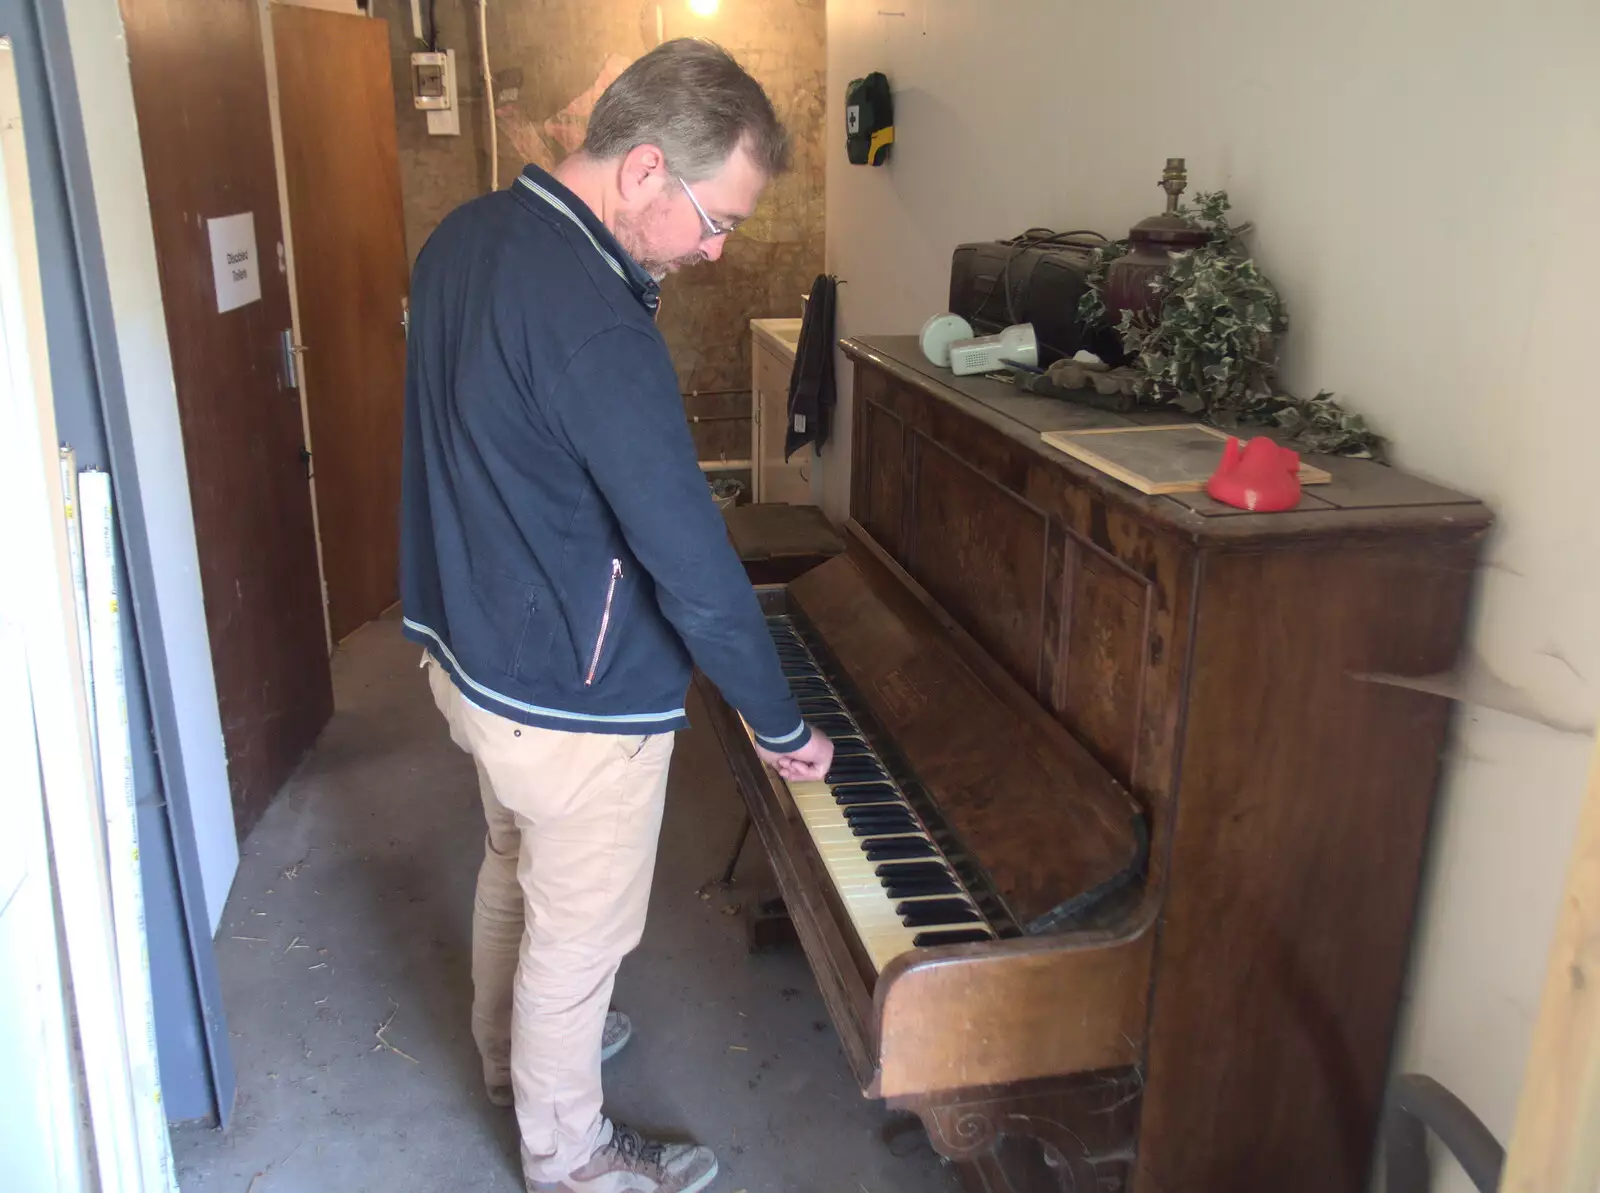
(1360,490)
(1044,821)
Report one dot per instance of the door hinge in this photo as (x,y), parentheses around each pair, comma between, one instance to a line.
(305,461)
(289,358)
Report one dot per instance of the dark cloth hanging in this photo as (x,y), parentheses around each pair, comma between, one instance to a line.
(811,389)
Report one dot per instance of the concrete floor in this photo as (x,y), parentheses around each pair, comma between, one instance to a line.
(352,911)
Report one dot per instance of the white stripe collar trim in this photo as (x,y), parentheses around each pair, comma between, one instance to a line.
(573,216)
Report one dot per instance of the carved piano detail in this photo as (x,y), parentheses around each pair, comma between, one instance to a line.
(1113,880)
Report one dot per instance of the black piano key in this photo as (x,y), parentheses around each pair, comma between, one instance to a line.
(889,834)
(845,797)
(850,797)
(878,788)
(884,828)
(901,870)
(913,888)
(880,805)
(958,911)
(888,848)
(835,725)
(819,704)
(923,940)
(851,747)
(919,919)
(871,803)
(867,793)
(855,810)
(864,764)
(854,800)
(858,813)
(853,770)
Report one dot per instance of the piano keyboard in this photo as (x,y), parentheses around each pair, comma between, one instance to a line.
(898,887)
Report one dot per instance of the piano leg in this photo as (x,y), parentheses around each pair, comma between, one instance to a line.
(738,851)
(1061,1135)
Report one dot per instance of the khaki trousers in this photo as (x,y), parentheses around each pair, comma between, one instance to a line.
(573,822)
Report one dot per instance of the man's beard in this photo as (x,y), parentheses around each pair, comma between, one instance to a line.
(631,236)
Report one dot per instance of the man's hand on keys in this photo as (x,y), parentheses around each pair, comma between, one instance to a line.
(811,761)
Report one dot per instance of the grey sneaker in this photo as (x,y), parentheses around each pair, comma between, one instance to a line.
(615,1037)
(619,1030)
(630,1163)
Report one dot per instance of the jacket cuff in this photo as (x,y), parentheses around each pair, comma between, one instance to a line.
(787,743)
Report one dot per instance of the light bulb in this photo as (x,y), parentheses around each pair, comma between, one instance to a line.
(703,8)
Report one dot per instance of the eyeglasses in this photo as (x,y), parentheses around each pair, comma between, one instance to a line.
(713,229)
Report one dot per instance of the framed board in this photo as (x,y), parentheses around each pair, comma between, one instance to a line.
(1168,458)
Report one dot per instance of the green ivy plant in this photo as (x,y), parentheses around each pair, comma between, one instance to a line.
(1212,350)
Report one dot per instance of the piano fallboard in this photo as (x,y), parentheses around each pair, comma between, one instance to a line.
(1002,786)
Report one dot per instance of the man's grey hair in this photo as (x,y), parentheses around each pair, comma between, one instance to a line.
(691,100)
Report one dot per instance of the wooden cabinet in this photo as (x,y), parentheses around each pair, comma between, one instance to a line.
(772,349)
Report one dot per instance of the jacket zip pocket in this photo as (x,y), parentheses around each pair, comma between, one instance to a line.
(605,621)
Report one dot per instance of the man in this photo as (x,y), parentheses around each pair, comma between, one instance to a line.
(564,566)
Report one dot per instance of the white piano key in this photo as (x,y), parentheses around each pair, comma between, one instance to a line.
(855,876)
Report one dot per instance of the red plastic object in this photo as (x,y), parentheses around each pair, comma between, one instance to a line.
(1259,476)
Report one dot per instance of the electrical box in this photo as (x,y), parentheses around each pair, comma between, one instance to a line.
(433,90)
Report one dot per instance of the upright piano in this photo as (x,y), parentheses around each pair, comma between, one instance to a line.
(1114,876)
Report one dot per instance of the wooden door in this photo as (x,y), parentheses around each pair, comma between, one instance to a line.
(336,101)
(200,91)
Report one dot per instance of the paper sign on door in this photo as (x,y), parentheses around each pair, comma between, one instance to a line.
(233,260)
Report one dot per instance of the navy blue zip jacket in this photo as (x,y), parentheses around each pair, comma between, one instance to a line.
(561,555)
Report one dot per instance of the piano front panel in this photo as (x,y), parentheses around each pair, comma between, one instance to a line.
(878,494)
(1101,670)
(1083,602)
(989,573)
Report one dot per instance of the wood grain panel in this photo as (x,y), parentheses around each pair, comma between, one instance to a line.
(1077,515)
(200,90)
(1301,824)
(1101,672)
(337,102)
(980,550)
(882,445)
(1051,1006)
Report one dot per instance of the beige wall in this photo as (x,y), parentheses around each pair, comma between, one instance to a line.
(551,58)
(1423,176)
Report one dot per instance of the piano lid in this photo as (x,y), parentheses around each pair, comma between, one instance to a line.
(1045,822)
